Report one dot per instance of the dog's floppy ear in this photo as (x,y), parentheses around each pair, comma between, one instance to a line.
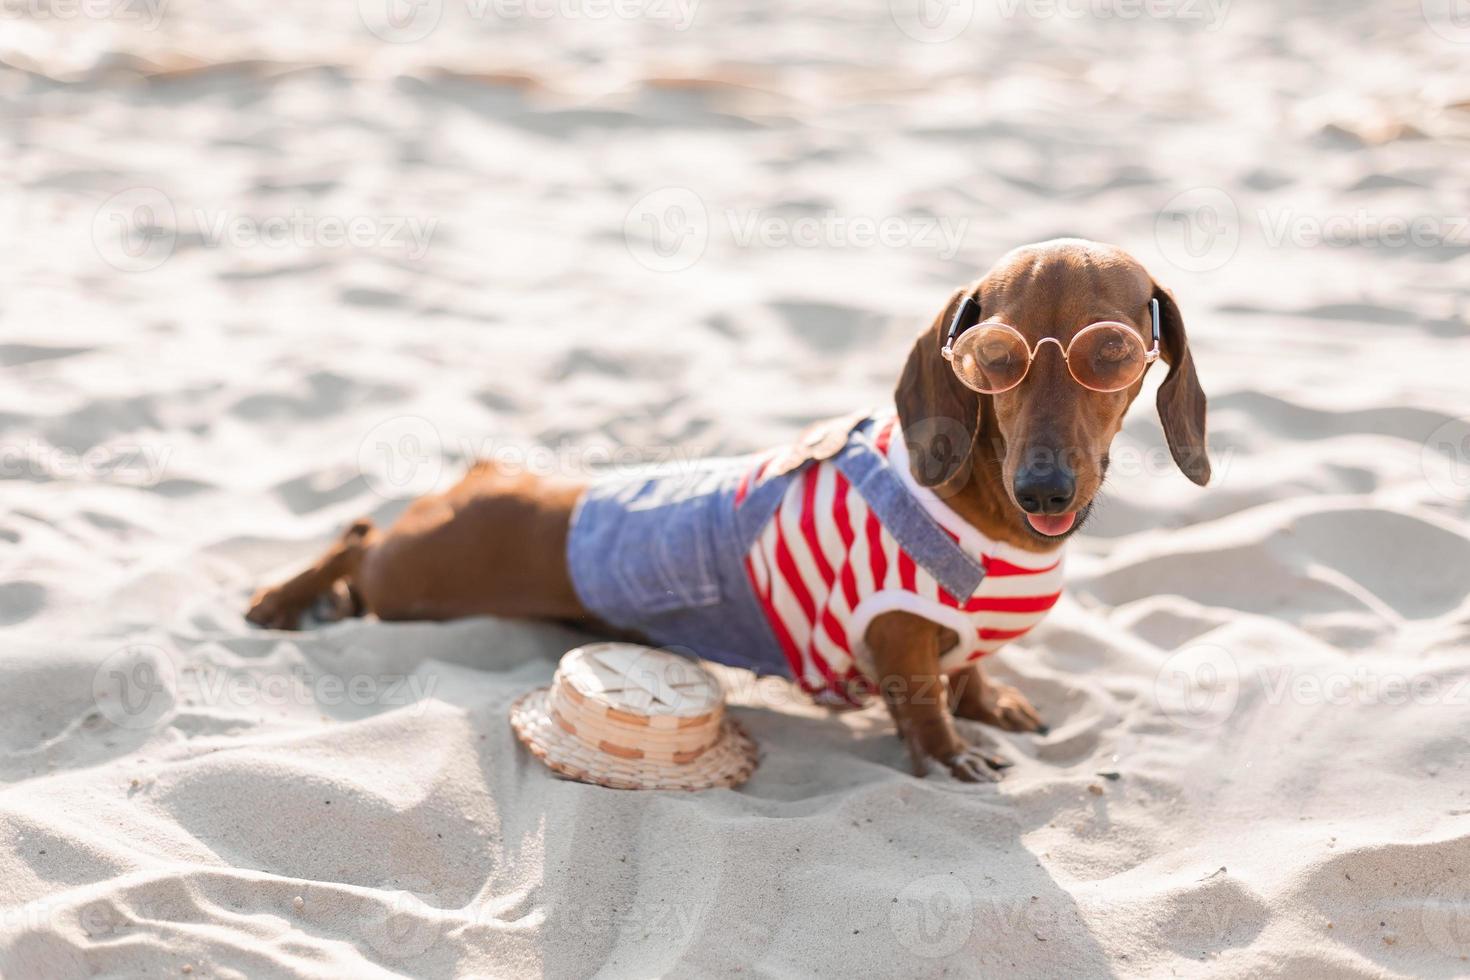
(1181,400)
(939,415)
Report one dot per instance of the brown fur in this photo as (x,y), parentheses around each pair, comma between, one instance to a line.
(495,543)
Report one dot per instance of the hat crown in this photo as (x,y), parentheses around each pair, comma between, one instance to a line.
(633,717)
(641,681)
(636,702)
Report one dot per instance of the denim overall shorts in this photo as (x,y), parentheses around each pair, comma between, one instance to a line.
(662,551)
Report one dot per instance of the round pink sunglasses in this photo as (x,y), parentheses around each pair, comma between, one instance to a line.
(995,357)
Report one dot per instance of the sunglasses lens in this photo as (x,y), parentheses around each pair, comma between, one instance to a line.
(1106,357)
(991,358)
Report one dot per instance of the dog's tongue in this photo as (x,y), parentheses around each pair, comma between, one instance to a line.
(1052,524)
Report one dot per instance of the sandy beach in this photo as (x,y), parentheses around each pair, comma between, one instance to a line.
(266,274)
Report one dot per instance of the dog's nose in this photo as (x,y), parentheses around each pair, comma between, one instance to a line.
(1046,488)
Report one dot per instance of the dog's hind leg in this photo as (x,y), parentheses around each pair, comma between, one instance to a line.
(330,578)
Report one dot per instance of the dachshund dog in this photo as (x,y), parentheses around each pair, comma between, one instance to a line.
(874,557)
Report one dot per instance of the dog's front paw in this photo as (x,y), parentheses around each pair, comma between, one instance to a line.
(1004,707)
(939,743)
(274,609)
(970,765)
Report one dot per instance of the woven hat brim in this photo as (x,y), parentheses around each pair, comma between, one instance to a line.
(728,763)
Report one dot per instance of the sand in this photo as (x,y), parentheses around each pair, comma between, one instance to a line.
(364,262)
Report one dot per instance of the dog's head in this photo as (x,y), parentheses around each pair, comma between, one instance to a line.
(1049,436)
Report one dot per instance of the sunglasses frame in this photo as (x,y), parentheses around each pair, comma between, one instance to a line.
(955,330)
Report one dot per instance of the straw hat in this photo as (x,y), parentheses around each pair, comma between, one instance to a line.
(632,717)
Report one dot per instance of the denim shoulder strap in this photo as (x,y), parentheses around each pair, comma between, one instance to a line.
(755,503)
(869,472)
